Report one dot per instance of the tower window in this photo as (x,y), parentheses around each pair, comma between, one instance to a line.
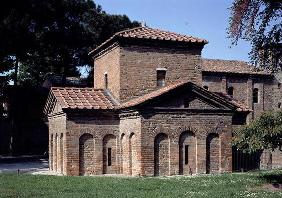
(230,91)
(109,156)
(161,73)
(106,80)
(255,95)
(279,105)
(206,87)
(279,85)
(186,154)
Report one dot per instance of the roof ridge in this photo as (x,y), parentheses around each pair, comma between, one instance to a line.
(125,30)
(179,34)
(148,33)
(109,95)
(217,59)
(231,66)
(81,88)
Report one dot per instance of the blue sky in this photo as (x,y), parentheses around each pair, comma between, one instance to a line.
(206,19)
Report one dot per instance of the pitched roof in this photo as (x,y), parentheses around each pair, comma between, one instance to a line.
(223,97)
(151,34)
(83,98)
(230,66)
(90,98)
(151,95)
(241,106)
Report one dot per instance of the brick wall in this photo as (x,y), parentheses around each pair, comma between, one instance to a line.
(57,147)
(132,70)
(146,144)
(187,149)
(109,63)
(243,90)
(130,130)
(86,154)
(213,151)
(173,125)
(104,127)
(139,68)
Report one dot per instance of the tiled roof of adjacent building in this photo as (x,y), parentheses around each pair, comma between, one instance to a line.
(152,34)
(83,98)
(230,66)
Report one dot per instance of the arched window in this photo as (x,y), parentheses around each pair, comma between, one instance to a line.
(230,91)
(110,154)
(279,105)
(187,153)
(255,95)
(206,87)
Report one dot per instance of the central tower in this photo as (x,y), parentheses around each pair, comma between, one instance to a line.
(137,61)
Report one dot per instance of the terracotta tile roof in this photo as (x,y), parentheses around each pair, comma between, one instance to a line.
(136,101)
(83,98)
(152,34)
(151,95)
(241,106)
(230,66)
(90,98)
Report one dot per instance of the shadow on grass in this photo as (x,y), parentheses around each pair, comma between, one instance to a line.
(274,179)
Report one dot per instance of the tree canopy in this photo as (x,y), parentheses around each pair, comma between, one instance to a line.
(52,36)
(260,22)
(262,133)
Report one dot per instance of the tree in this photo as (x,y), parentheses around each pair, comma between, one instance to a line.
(52,36)
(260,22)
(262,133)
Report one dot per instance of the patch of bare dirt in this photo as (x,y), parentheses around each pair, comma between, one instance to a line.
(272,187)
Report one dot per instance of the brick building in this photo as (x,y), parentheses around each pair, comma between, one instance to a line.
(157,108)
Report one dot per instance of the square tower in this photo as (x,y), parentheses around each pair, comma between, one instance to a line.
(140,60)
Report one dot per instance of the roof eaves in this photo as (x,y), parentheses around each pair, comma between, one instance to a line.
(238,73)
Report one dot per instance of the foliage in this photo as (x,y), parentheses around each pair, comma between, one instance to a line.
(52,36)
(260,22)
(224,185)
(262,133)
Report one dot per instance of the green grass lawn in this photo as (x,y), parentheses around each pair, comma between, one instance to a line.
(225,185)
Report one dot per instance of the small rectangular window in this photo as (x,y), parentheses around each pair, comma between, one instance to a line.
(186,154)
(109,156)
(106,80)
(161,74)
(255,95)
(230,91)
